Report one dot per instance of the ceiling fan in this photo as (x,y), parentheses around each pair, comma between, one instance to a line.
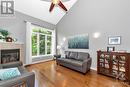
(57,3)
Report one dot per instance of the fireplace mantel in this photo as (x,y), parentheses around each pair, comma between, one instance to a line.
(10,45)
(13,45)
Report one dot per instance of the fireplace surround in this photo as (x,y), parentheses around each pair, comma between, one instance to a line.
(10,55)
(10,52)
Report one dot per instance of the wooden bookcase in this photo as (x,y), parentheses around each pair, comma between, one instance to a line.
(114,64)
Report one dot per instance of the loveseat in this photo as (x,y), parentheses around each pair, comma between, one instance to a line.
(78,61)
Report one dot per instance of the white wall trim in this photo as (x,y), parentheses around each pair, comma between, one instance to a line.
(38,62)
(93,68)
(54,41)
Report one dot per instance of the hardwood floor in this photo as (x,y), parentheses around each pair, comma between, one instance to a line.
(48,74)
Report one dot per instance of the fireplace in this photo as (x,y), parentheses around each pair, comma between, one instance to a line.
(10,55)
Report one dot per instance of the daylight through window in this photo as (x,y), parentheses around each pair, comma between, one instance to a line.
(41,41)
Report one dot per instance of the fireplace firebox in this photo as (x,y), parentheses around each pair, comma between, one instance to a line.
(9,55)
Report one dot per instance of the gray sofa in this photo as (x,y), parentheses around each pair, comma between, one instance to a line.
(26,77)
(76,60)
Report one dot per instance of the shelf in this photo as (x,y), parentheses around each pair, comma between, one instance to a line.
(104,63)
(123,62)
(108,74)
(115,69)
(115,64)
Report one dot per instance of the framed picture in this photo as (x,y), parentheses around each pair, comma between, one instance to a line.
(78,42)
(110,49)
(114,40)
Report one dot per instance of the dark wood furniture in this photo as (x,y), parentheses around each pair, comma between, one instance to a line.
(114,64)
(56,56)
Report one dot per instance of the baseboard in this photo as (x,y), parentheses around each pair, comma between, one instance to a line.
(38,62)
(94,68)
(50,60)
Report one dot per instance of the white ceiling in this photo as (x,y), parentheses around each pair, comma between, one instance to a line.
(40,9)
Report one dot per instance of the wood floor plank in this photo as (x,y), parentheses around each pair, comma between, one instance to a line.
(48,74)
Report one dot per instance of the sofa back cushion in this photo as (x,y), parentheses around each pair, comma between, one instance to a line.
(83,56)
(73,55)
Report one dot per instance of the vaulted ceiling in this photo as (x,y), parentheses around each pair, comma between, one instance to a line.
(40,9)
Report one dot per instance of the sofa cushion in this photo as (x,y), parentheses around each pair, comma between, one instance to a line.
(67,54)
(82,56)
(71,61)
(73,55)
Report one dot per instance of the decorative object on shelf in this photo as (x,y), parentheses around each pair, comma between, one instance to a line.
(114,40)
(9,39)
(114,64)
(78,42)
(15,40)
(56,3)
(5,36)
(109,49)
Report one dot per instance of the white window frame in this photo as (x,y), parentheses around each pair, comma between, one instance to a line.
(38,47)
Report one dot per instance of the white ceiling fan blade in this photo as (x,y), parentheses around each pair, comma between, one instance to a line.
(51,0)
(46,0)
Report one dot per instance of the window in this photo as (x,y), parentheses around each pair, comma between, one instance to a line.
(41,41)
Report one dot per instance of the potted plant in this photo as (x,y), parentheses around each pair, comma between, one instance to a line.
(4,34)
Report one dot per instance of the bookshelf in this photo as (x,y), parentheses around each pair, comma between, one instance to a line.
(114,64)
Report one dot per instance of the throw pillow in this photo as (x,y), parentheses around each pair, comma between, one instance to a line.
(67,54)
(73,55)
(9,73)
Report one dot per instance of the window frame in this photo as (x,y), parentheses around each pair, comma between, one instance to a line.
(38,41)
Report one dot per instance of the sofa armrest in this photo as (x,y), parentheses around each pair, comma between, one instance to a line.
(28,79)
(60,58)
(87,64)
(57,56)
(12,64)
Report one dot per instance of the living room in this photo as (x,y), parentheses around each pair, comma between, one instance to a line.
(73,44)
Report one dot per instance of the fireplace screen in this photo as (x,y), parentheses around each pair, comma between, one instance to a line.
(10,55)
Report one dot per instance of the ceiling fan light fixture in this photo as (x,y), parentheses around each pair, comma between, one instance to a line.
(55,1)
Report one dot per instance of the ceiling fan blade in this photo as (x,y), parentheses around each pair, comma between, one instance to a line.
(47,0)
(51,0)
(62,6)
(51,7)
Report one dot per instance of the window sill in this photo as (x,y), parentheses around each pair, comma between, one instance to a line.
(41,56)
